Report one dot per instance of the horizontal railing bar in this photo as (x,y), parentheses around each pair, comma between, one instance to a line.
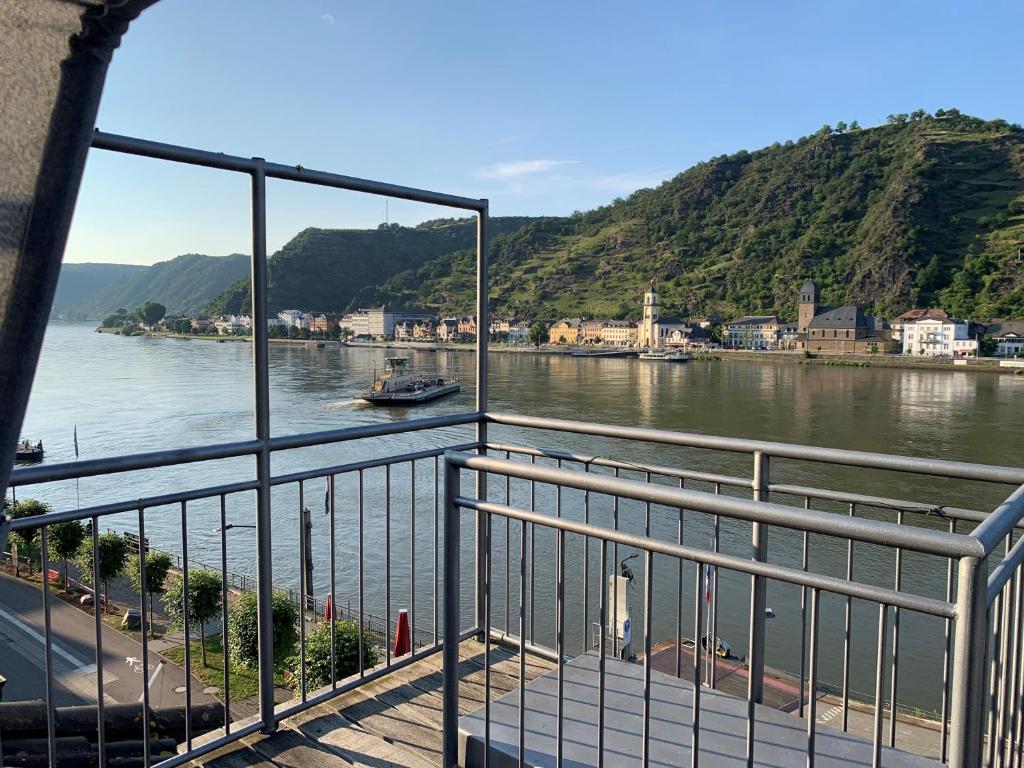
(341,469)
(178,154)
(308,439)
(210,746)
(896,463)
(729,562)
(513,641)
(132,505)
(48,473)
(1002,572)
(1003,519)
(155,459)
(796,518)
(606,461)
(824,494)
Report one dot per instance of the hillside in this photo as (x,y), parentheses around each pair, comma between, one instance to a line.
(79,281)
(329,270)
(926,210)
(184,284)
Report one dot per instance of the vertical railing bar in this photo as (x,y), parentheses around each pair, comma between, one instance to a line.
(533,548)
(648,623)
(847,616)
(717,520)
(334,597)
(560,642)
(522,645)
(647,508)
(897,585)
(302,591)
(1005,663)
(812,679)
(450,650)
(359,506)
(387,564)
(803,611)
(1009,701)
(876,739)
(586,563)
(144,628)
(98,608)
(488,520)
(614,623)
(187,624)
(697,632)
(997,625)
(947,660)
(224,612)
(437,542)
(1015,727)
(679,594)
(412,556)
(602,645)
(508,551)
(51,709)
(759,547)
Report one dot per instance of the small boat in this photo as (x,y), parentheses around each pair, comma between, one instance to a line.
(665,356)
(400,385)
(28,452)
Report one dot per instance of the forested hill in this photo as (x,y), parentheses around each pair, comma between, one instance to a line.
(329,270)
(184,284)
(79,281)
(926,210)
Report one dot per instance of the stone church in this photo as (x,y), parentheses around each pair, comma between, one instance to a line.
(837,330)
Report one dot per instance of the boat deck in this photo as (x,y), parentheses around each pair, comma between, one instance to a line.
(393,721)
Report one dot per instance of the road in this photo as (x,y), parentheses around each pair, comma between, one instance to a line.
(22,659)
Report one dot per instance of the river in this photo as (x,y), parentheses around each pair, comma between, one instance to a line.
(142,394)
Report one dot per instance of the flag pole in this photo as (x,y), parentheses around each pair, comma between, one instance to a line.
(78,496)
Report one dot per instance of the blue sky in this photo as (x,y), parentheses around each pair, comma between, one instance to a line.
(544,108)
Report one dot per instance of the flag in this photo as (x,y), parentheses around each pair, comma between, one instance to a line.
(327,496)
(707,583)
(76,441)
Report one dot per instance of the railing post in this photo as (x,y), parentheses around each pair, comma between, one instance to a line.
(261,354)
(482,337)
(450,651)
(758,586)
(969,654)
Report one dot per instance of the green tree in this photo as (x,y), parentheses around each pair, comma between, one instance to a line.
(346,654)
(242,629)
(158,564)
(183,326)
(64,540)
(151,312)
(204,590)
(113,552)
(537,334)
(26,540)
(987,346)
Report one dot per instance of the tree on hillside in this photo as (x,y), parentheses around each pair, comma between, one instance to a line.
(204,593)
(151,312)
(64,541)
(115,319)
(113,555)
(242,629)
(158,564)
(25,540)
(537,334)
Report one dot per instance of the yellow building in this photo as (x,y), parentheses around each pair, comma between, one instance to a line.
(565,331)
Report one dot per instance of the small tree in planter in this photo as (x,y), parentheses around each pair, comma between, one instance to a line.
(64,540)
(346,654)
(204,589)
(25,540)
(243,634)
(158,564)
(113,552)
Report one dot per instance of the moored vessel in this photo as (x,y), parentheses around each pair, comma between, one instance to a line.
(28,452)
(399,384)
(665,356)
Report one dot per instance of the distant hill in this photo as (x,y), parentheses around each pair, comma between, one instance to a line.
(79,281)
(330,270)
(184,284)
(926,210)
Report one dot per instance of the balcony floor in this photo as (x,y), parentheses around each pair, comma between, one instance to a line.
(393,721)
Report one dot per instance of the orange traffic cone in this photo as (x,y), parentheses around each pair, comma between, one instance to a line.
(403,642)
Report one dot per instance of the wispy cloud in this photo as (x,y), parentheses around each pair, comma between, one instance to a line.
(328,17)
(629,181)
(519,168)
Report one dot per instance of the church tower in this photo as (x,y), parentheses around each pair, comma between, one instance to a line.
(809,298)
(648,335)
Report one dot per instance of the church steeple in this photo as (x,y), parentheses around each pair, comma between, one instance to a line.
(648,332)
(810,297)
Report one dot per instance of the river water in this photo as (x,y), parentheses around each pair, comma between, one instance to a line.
(142,394)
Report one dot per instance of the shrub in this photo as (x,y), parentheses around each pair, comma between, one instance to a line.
(346,654)
(243,635)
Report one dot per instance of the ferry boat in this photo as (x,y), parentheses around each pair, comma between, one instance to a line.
(665,356)
(400,385)
(28,452)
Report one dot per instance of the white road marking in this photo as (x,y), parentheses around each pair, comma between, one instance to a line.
(57,648)
(152,678)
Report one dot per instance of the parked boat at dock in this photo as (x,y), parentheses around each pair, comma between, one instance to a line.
(399,384)
(665,356)
(29,453)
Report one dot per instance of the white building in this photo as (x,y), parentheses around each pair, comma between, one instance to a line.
(290,317)
(1009,338)
(380,321)
(754,332)
(619,333)
(938,337)
(654,330)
